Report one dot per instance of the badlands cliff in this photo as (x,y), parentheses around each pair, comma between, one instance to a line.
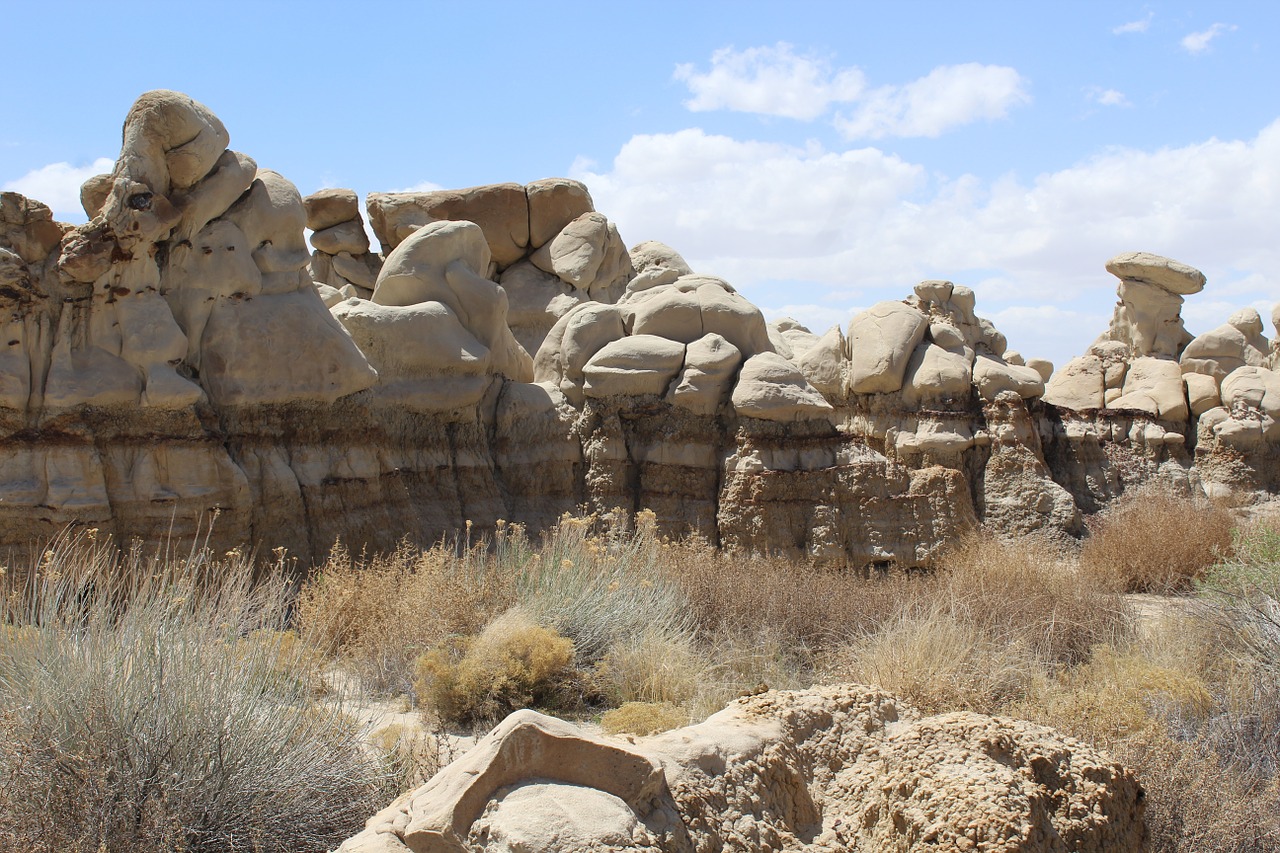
(503,355)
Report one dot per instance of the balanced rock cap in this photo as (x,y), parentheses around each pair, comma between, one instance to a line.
(1173,276)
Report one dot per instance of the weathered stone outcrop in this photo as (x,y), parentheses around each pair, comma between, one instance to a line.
(828,769)
(184,355)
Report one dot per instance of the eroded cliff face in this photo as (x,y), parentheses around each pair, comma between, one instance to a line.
(505,356)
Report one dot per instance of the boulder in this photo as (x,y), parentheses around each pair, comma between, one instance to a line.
(934,373)
(652,254)
(993,376)
(823,364)
(1166,273)
(838,767)
(639,364)
(706,378)
(501,211)
(279,348)
(882,339)
(329,207)
(771,388)
(346,237)
(1154,386)
(553,204)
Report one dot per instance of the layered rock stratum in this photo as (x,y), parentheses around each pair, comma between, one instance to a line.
(502,354)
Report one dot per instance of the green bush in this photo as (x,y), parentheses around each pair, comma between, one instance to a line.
(150,705)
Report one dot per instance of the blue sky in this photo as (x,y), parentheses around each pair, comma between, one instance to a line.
(820,156)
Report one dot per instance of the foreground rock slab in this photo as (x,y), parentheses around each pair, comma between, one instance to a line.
(828,769)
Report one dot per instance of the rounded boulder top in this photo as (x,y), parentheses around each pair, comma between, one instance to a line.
(1173,276)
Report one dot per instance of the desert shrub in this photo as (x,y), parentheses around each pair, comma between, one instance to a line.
(377,615)
(1024,592)
(938,661)
(513,663)
(150,705)
(602,587)
(412,755)
(652,667)
(643,718)
(991,619)
(1155,542)
(813,606)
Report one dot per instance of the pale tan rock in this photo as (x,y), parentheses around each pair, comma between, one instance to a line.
(272,218)
(1042,366)
(934,373)
(638,364)
(934,291)
(330,296)
(417,341)
(329,207)
(705,380)
(170,141)
(93,194)
(1171,275)
(833,768)
(553,204)
(1202,393)
(931,436)
(501,211)
(669,312)
(1236,343)
(651,254)
(1148,320)
(346,237)
(525,745)
(575,338)
(993,376)
(362,271)
(771,388)
(215,263)
(536,300)
(883,338)
(725,312)
(441,262)
(1154,386)
(1253,388)
(213,196)
(823,364)
(576,253)
(27,227)
(245,360)
(791,338)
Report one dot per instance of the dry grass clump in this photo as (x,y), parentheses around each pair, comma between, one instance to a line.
(155,705)
(810,605)
(992,619)
(1155,541)
(376,615)
(643,718)
(513,663)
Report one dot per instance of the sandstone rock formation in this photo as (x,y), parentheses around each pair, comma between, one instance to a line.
(184,355)
(341,264)
(1192,411)
(829,769)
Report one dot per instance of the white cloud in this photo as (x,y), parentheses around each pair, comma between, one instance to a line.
(420,187)
(1196,43)
(58,185)
(1109,97)
(770,81)
(795,226)
(1139,26)
(948,96)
